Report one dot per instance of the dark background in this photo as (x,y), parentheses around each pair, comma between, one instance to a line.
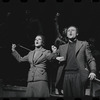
(20,22)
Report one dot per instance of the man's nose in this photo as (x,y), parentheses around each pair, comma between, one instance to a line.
(70,32)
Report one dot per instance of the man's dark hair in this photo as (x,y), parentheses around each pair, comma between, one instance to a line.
(76,29)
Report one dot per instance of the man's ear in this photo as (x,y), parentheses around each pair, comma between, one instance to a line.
(77,34)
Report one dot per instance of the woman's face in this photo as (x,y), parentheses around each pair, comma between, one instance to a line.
(38,41)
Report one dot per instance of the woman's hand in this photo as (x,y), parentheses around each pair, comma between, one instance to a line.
(60,58)
(53,48)
(13,47)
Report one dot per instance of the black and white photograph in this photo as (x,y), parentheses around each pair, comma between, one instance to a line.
(49,48)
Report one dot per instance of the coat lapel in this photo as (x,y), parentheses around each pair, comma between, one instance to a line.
(31,55)
(65,49)
(78,46)
(39,54)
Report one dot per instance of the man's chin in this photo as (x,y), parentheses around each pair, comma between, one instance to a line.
(71,39)
(38,46)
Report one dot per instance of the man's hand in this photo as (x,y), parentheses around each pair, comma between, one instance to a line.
(60,58)
(54,48)
(92,76)
(13,47)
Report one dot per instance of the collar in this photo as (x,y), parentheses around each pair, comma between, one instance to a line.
(73,41)
(38,49)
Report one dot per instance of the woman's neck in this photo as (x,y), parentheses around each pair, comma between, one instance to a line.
(38,48)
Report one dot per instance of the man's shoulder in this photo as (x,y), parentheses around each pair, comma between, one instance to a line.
(83,42)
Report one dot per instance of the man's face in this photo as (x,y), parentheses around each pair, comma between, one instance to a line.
(38,41)
(71,32)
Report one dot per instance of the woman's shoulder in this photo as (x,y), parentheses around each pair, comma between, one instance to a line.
(48,51)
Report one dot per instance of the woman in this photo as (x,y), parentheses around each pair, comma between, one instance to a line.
(37,76)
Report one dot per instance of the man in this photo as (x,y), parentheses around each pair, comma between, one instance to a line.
(75,58)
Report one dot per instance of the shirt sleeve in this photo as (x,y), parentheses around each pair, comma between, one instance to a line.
(18,56)
(90,58)
(52,56)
